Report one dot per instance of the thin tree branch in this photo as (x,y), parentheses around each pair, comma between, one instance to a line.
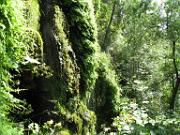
(174,58)
(108,27)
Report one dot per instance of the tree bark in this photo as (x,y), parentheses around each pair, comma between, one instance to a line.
(104,45)
(177,78)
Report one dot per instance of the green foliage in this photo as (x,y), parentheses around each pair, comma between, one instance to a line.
(140,50)
(172,19)
(11,45)
(49,127)
(11,50)
(9,128)
(134,120)
(141,44)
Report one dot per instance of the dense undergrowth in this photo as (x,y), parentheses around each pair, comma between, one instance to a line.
(12,49)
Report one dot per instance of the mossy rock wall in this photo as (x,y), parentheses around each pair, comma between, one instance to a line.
(70,72)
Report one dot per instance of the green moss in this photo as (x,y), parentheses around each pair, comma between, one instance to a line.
(107,92)
(78,122)
(80,17)
(32,13)
(35,44)
(63,111)
(82,35)
(89,119)
(92,63)
(69,69)
(82,119)
(64,131)
(34,40)
(71,116)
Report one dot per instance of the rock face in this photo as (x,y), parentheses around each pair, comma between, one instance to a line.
(68,63)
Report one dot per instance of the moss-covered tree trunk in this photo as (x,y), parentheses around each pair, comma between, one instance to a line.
(71,94)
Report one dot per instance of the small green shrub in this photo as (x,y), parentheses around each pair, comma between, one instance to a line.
(9,128)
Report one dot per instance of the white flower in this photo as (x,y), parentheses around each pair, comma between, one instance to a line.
(34,127)
(50,122)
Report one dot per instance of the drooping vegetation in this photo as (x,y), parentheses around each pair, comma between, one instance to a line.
(89,67)
(11,53)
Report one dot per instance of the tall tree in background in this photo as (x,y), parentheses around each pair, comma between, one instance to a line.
(173,33)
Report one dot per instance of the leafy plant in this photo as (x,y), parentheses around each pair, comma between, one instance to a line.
(134,120)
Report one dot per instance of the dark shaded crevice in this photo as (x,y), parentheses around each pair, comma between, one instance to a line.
(104,107)
(34,95)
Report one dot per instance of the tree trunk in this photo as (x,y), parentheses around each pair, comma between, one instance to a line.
(104,44)
(177,78)
(174,94)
